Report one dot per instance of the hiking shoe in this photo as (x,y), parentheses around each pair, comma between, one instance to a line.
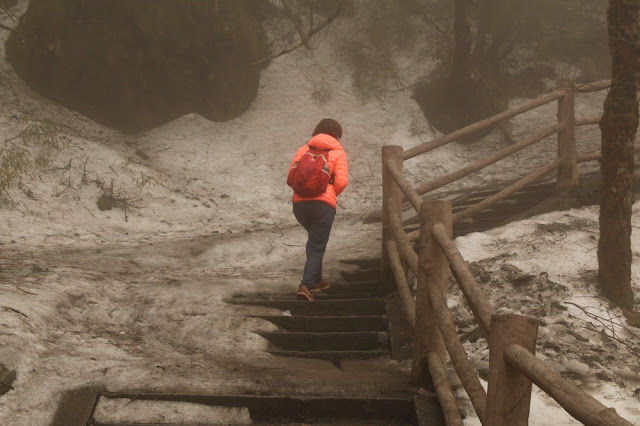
(304,294)
(320,286)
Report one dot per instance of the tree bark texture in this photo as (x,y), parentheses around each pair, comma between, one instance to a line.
(618,127)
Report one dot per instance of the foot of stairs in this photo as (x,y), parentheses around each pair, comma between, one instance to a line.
(405,409)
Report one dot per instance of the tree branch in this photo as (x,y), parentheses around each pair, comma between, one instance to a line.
(304,38)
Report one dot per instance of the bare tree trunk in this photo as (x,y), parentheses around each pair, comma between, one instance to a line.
(619,125)
(461,83)
(461,64)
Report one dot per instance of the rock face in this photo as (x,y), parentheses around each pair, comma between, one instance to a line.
(8,3)
(134,65)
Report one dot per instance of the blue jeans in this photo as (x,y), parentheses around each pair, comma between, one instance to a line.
(317,218)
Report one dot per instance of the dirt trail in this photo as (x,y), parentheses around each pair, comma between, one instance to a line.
(150,317)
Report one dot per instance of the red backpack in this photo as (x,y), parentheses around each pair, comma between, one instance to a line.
(311,174)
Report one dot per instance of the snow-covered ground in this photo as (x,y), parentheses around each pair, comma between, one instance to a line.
(135,298)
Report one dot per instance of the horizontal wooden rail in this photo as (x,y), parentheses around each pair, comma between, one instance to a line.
(592,87)
(445,394)
(592,156)
(588,121)
(465,370)
(406,298)
(489,201)
(465,131)
(479,165)
(596,155)
(405,187)
(435,333)
(403,243)
(480,305)
(578,403)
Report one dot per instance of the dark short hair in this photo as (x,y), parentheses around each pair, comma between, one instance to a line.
(328,127)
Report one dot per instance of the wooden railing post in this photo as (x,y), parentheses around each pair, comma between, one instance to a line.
(391,203)
(433,270)
(567,179)
(509,392)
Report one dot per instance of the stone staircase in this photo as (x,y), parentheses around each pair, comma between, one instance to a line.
(347,321)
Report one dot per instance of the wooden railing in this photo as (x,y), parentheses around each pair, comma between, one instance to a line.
(513,365)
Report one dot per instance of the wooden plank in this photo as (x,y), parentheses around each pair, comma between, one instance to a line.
(578,403)
(509,393)
(391,205)
(403,244)
(404,185)
(481,164)
(472,211)
(7,377)
(588,121)
(76,407)
(443,389)
(480,306)
(433,271)
(567,175)
(592,87)
(480,125)
(464,368)
(406,298)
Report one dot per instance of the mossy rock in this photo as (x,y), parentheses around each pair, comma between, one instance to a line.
(105,202)
(134,65)
(8,3)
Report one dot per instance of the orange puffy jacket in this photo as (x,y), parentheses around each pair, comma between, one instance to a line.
(337,163)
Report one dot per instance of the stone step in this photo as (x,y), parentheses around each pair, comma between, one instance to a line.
(328,341)
(327,295)
(328,324)
(400,409)
(366,275)
(356,286)
(332,356)
(323,295)
(337,307)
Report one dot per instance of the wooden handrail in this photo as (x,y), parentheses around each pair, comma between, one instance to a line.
(443,389)
(432,276)
(592,87)
(508,390)
(596,155)
(479,165)
(588,121)
(465,131)
(511,348)
(404,246)
(480,306)
(408,304)
(391,203)
(579,404)
(466,371)
(489,201)
(405,187)
(589,157)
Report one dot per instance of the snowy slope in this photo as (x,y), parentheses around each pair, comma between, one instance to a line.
(111,298)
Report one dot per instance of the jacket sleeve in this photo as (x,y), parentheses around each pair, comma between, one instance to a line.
(340,173)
